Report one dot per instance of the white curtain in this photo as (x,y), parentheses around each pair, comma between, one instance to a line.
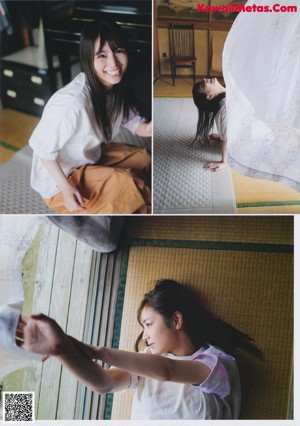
(261,68)
(16,235)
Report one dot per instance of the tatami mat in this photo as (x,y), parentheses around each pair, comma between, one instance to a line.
(259,196)
(253,290)
(271,230)
(15,130)
(181,186)
(163,87)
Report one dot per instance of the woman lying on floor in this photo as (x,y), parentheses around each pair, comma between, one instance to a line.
(75,166)
(186,371)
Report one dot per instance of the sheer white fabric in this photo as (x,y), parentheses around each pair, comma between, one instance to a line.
(16,234)
(261,68)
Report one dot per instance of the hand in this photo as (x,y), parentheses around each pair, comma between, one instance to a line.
(144,130)
(41,335)
(214,166)
(72,199)
(148,129)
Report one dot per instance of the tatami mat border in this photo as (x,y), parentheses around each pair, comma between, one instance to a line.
(9,146)
(268,204)
(117,322)
(212,245)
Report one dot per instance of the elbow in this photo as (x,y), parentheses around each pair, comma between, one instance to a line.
(104,386)
(169,371)
(103,389)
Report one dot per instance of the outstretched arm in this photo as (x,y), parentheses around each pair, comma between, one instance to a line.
(150,365)
(43,335)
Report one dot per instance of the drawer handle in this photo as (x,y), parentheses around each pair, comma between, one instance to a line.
(39,101)
(11,93)
(36,80)
(8,73)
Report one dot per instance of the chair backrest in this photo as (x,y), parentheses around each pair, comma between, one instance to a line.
(181,39)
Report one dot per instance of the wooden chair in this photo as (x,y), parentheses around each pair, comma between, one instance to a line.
(182,49)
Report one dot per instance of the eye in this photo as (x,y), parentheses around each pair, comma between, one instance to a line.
(120,51)
(101,55)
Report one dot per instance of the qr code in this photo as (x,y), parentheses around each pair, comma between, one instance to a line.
(18,407)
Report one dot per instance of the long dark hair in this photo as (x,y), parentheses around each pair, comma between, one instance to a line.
(121,94)
(201,326)
(207,110)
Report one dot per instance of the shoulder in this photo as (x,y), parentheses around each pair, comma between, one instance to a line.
(212,356)
(213,351)
(70,102)
(73,95)
(224,371)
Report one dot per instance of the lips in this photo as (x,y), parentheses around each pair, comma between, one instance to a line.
(113,73)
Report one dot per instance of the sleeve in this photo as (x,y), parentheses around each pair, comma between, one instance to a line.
(218,380)
(133,122)
(56,127)
(222,122)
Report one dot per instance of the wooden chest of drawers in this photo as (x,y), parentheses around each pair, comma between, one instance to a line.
(24,84)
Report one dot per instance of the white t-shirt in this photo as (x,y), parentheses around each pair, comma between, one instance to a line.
(218,397)
(68,132)
(221,120)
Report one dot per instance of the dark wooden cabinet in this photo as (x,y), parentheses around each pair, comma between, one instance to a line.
(25,85)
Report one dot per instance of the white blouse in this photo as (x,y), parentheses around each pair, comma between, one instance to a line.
(68,132)
(218,397)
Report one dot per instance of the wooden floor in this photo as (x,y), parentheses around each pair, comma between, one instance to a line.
(77,286)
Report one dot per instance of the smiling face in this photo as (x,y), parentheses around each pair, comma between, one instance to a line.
(109,65)
(160,337)
(211,88)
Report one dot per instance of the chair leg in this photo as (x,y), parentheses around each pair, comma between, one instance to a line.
(173,72)
(194,73)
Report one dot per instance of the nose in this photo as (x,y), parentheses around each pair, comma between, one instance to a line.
(145,335)
(112,60)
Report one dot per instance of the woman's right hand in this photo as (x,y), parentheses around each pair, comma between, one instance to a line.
(42,335)
(73,200)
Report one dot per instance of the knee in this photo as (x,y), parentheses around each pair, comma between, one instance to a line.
(145,158)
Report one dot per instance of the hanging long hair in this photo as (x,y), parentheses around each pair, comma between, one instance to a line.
(121,96)
(207,110)
(202,327)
